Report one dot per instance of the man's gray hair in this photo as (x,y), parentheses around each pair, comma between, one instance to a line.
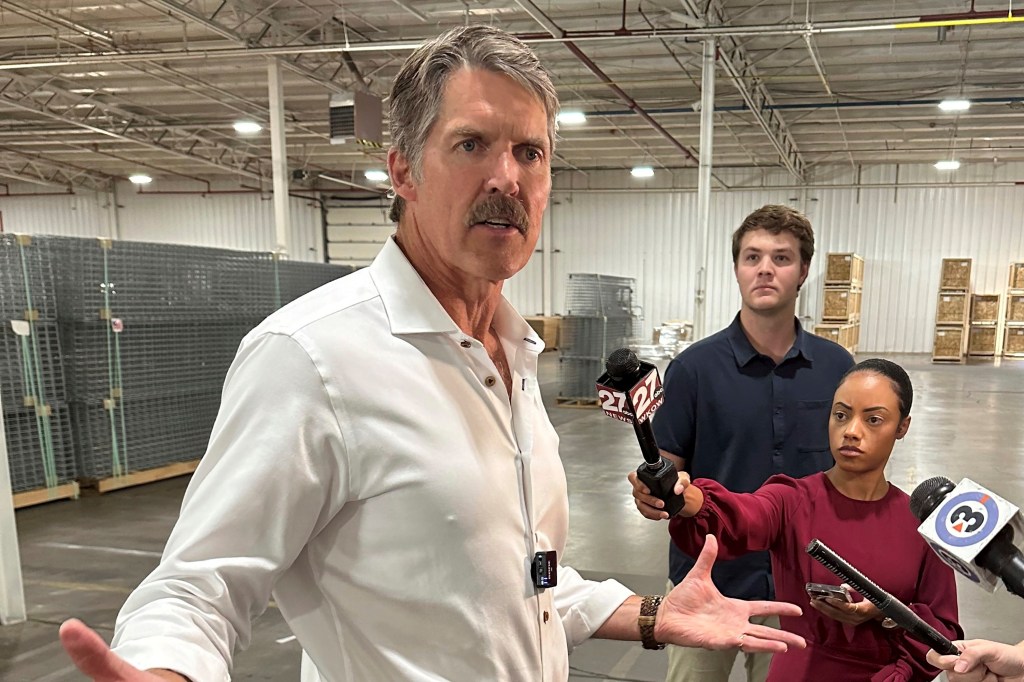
(419,87)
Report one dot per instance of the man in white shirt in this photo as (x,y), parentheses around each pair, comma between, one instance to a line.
(382,462)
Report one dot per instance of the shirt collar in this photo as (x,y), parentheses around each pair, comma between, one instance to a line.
(411,308)
(744,351)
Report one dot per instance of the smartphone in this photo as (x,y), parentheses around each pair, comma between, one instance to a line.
(823,591)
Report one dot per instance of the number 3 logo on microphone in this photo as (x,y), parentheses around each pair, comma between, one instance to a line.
(967,519)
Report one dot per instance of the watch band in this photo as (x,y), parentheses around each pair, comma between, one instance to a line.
(648,614)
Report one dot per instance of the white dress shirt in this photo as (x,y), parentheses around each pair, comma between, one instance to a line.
(368,468)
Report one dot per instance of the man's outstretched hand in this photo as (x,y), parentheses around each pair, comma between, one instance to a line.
(93,657)
(696,614)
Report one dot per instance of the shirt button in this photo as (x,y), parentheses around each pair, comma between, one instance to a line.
(546,616)
(490,381)
(465,343)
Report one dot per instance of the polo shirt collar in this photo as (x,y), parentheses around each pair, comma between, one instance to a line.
(744,351)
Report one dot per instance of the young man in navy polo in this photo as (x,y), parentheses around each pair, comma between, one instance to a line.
(749,402)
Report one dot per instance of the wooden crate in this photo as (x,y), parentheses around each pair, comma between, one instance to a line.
(1016,276)
(846,335)
(949,344)
(1015,308)
(982,341)
(984,308)
(547,328)
(952,308)
(956,274)
(842,304)
(844,269)
(1013,344)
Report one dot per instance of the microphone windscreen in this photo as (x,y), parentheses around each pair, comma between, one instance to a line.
(622,363)
(928,494)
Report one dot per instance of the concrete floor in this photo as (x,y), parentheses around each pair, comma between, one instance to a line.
(81,558)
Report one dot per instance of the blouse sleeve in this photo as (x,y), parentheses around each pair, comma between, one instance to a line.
(742,522)
(936,590)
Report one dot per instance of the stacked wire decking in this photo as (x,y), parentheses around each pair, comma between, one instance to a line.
(113,354)
(295,278)
(149,332)
(32,388)
(599,318)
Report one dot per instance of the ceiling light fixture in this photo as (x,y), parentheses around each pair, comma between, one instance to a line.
(642,172)
(375,176)
(950,165)
(955,104)
(571,117)
(247,127)
(139,179)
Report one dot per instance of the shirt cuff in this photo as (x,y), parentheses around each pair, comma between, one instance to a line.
(171,653)
(599,601)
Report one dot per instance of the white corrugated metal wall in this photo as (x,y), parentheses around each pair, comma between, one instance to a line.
(85,214)
(902,233)
(651,235)
(243,220)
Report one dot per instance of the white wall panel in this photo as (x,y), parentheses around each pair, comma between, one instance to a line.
(902,233)
(225,219)
(72,215)
(242,221)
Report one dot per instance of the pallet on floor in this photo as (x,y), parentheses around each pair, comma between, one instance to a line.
(30,498)
(577,402)
(950,360)
(105,485)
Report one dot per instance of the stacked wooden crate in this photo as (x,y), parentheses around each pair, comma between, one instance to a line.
(984,328)
(844,284)
(952,309)
(1013,339)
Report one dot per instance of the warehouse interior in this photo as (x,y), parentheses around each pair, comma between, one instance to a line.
(173,171)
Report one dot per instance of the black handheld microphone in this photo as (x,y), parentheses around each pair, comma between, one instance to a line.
(971,528)
(889,605)
(630,391)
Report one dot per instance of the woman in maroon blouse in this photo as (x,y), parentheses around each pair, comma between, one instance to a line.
(853,509)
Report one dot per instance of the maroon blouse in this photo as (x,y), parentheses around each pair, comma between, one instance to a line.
(879,538)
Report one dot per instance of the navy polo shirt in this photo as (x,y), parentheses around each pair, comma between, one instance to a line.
(736,417)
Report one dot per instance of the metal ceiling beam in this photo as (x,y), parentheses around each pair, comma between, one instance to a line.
(246,52)
(184,12)
(738,65)
(541,18)
(50,100)
(192,84)
(39,170)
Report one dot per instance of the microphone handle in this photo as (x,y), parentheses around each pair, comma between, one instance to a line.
(1005,560)
(661,480)
(648,445)
(889,605)
(657,473)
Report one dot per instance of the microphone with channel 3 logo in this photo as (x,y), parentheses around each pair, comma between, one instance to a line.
(973,530)
(630,391)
